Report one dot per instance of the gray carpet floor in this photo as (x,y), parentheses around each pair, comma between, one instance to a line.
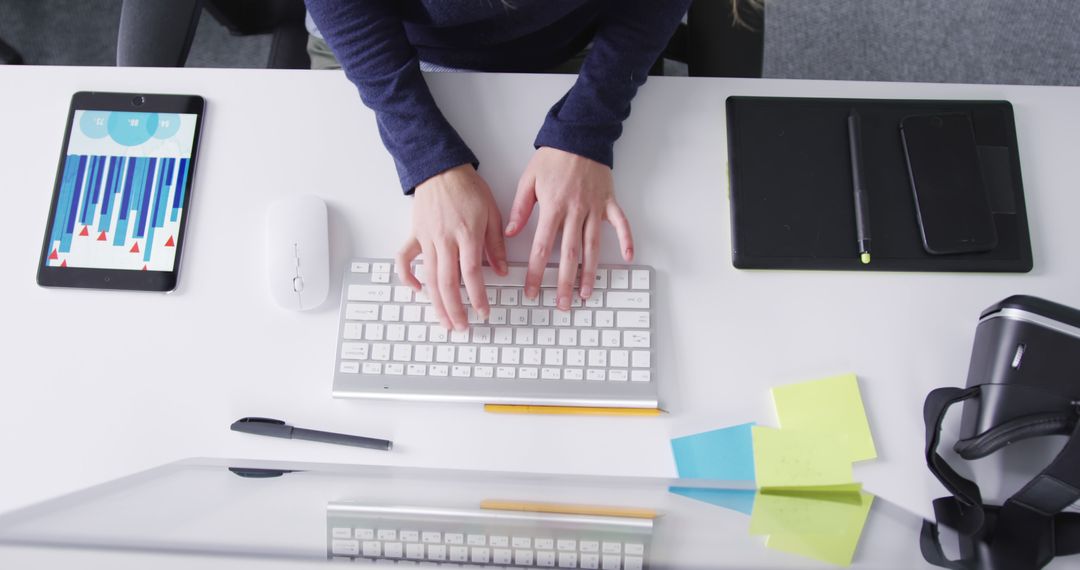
(83,32)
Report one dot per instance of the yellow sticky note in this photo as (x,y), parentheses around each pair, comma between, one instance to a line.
(822,526)
(827,405)
(798,459)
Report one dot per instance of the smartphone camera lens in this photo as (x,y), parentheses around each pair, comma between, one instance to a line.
(138,100)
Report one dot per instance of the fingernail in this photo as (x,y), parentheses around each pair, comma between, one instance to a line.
(530,292)
(511,227)
(629,253)
(563,302)
(461,327)
(586,293)
(502,265)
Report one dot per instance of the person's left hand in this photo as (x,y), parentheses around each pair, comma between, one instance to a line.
(576,195)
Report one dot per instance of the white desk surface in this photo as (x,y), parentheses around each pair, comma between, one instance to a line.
(97,385)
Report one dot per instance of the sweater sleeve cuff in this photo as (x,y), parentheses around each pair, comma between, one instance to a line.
(413,175)
(591,141)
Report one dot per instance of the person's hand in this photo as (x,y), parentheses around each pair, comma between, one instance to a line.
(455,224)
(576,195)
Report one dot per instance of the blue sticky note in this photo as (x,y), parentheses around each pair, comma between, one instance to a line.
(721,455)
(734,499)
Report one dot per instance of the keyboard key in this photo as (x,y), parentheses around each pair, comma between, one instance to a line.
(618,375)
(528,373)
(362,312)
(560,318)
(553,356)
(460,371)
(634,548)
(521,542)
(418,333)
(501,556)
(532,356)
(424,353)
(600,282)
(501,541)
(372,548)
(483,371)
(633,563)
(550,373)
(595,301)
(524,336)
(360,267)
(410,536)
(640,376)
(467,354)
(611,547)
(610,338)
(344,547)
(640,358)
(393,550)
(566,544)
(632,319)
(527,302)
(381,267)
(436,333)
(374,331)
(353,331)
(568,560)
(511,355)
(395,332)
(636,339)
(354,350)
(480,555)
(481,335)
(380,351)
(519,317)
(590,546)
(639,279)
(489,355)
(394,369)
(575,357)
(416,370)
(371,368)
(431,537)
(545,337)
(498,316)
(544,544)
(391,312)
(596,374)
(341,532)
(373,293)
(627,300)
(430,316)
(454,538)
(605,319)
(459,336)
(505,371)
(567,337)
(590,561)
(365,534)
(611,562)
(548,297)
(474,316)
(436,552)
(545,558)
(541,317)
(414,550)
(412,313)
(589,337)
(598,358)
(619,358)
(476,540)
(492,296)
(440,370)
(509,297)
(620,279)
(403,294)
(583,318)
(523,557)
(444,353)
(459,554)
(504,335)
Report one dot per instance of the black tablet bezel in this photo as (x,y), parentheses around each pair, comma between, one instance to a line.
(122,279)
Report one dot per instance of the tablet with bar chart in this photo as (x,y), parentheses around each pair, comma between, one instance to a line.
(122,188)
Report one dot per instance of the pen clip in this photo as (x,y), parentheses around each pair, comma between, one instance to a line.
(263,426)
(253,419)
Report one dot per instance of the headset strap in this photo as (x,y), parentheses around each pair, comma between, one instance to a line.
(966,516)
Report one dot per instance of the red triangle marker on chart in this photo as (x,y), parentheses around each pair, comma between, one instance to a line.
(144,268)
(101,237)
(53,255)
(134,248)
(170,243)
(85,231)
(63,263)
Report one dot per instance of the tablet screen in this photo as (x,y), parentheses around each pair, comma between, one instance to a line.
(121,195)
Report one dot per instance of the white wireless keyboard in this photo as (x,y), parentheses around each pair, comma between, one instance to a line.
(599,353)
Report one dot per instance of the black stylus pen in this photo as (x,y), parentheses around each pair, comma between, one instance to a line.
(278,428)
(858,181)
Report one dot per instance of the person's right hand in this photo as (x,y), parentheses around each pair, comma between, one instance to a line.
(455,224)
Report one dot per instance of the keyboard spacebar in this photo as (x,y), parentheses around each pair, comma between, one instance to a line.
(515,276)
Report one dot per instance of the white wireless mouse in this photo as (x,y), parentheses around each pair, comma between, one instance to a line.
(298,252)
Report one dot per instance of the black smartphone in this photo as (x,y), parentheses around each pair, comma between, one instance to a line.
(951,201)
(122,189)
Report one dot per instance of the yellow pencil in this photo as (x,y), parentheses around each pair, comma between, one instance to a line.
(561,509)
(570,410)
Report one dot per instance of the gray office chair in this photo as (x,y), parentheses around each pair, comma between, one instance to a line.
(158,33)
(1033,42)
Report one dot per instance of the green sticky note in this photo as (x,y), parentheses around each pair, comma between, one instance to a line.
(798,459)
(822,526)
(827,405)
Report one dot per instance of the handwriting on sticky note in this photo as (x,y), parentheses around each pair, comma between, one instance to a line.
(828,405)
(823,526)
(792,458)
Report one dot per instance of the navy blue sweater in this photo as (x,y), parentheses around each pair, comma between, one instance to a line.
(380,43)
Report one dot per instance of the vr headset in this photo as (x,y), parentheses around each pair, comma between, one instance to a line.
(1023,381)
